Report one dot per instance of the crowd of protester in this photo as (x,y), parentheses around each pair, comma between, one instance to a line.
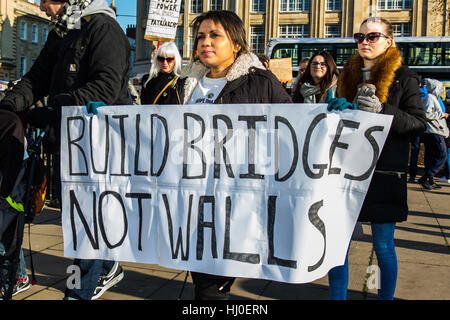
(85,62)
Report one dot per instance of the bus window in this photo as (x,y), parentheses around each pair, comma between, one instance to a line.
(418,54)
(287,50)
(425,54)
(446,55)
(436,55)
(344,52)
(307,50)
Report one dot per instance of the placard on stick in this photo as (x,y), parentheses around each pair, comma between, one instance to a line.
(162,20)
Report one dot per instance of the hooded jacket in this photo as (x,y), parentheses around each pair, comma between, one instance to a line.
(88,64)
(247,82)
(398,91)
(436,123)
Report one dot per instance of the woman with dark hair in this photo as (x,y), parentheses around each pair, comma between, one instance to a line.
(320,76)
(223,72)
(375,80)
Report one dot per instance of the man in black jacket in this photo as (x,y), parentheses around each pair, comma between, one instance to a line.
(85,58)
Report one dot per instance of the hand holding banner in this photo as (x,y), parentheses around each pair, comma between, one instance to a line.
(257,191)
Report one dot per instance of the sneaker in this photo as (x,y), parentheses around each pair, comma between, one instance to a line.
(444,179)
(425,182)
(434,185)
(106,282)
(21,285)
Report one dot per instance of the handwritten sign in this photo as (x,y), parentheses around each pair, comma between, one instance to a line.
(257,191)
(162,20)
(282,69)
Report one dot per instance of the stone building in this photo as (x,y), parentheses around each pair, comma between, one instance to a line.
(23,32)
(265,19)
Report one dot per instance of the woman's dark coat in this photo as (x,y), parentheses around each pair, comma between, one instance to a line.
(398,90)
(154,86)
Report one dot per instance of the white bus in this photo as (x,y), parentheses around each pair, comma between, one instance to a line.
(428,56)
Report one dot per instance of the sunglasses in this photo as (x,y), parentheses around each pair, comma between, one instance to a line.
(168,59)
(371,37)
(322,64)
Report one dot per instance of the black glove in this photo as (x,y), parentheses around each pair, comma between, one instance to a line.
(41,117)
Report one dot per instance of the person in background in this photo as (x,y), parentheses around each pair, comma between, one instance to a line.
(320,76)
(375,80)
(166,66)
(435,134)
(223,71)
(303,65)
(414,157)
(446,177)
(85,59)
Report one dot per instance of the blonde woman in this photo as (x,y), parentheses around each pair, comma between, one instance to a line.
(375,80)
(166,66)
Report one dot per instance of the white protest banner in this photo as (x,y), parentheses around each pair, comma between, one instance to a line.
(162,20)
(256,191)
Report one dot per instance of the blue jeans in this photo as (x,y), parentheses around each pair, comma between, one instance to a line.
(447,165)
(435,153)
(383,244)
(22,267)
(91,270)
(415,147)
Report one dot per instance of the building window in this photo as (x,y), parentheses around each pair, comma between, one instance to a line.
(44,34)
(334,5)
(23,66)
(394,4)
(294,31)
(258,6)
(196,6)
(23,30)
(295,5)
(332,31)
(215,5)
(34,33)
(402,29)
(179,40)
(257,38)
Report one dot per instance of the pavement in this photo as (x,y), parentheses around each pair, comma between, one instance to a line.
(422,246)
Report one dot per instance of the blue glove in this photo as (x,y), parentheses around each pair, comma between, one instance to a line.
(328,97)
(92,106)
(340,104)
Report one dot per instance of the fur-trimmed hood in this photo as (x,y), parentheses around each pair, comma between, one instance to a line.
(381,75)
(196,70)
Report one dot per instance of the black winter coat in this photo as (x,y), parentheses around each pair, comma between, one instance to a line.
(154,87)
(398,90)
(88,64)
